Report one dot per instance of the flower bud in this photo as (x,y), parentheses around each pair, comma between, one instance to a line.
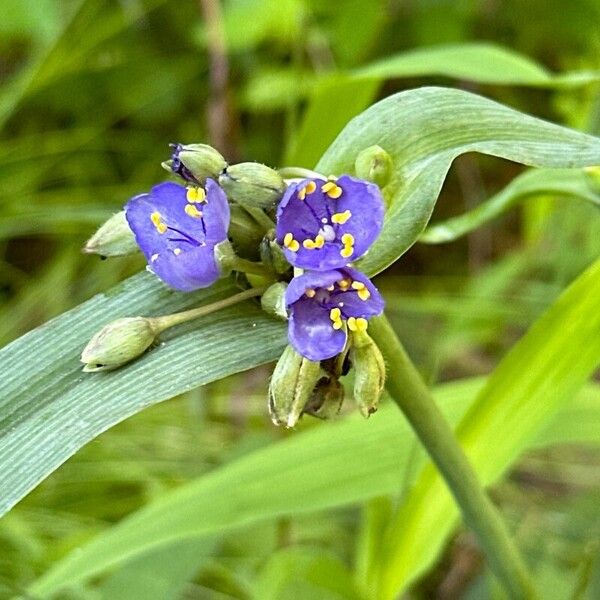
(113,238)
(369,372)
(326,399)
(195,162)
(252,184)
(225,257)
(273,300)
(592,176)
(292,384)
(271,254)
(118,343)
(245,234)
(374,164)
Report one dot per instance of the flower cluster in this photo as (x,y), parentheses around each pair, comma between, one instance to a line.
(323,225)
(221,219)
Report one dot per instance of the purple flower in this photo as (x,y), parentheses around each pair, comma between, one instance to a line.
(177,229)
(323,304)
(327,224)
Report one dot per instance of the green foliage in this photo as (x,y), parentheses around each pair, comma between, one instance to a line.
(310,471)
(513,406)
(92,92)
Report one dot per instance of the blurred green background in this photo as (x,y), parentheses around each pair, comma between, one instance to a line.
(93,91)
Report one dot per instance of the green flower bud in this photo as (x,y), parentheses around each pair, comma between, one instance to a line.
(273,300)
(252,184)
(326,399)
(245,234)
(369,372)
(292,385)
(271,254)
(374,164)
(592,176)
(118,343)
(114,238)
(195,162)
(225,257)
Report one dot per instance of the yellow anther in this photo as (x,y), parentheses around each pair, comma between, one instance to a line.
(302,193)
(195,194)
(357,324)
(348,239)
(358,285)
(157,222)
(319,241)
(331,189)
(290,243)
(192,211)
(309,244)
(347,251)
(311,186)
(344,284)
(364,294)
(335,314)
(341,218)
(177,251)
(310,293)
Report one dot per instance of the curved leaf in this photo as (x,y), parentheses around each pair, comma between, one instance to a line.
(480,62)
(424,130)
(307,472)
(568,183)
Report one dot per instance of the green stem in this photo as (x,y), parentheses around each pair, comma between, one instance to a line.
(159,324)
(259,215)
(408,390)
(247,266)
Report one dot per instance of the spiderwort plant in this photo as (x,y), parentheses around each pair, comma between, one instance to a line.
(321,226)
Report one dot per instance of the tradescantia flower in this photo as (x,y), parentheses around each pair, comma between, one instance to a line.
(325,224)
(323,305)
(177,229)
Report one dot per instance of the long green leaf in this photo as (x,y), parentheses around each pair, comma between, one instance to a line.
(541,373)
(567,183)
(331,465)
(49,408)
(424,130)
(473,61)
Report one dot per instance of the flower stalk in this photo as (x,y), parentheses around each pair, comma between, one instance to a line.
(410,393)
(160,324)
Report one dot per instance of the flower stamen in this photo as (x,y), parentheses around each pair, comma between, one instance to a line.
(357,324)
(195,194)
(335,314)
(341,218)
(192,211)
(157,221)
(331,189)
(290,243)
